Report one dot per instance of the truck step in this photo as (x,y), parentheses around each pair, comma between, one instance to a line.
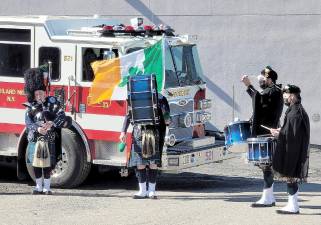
(191,145)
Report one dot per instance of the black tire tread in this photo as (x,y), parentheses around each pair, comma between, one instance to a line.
(82,175)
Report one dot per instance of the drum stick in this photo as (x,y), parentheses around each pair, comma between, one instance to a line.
(266,127)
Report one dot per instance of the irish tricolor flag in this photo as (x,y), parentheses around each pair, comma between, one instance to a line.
(111,75)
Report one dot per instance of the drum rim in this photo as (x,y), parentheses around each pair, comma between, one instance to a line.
(237,122)
(260,139)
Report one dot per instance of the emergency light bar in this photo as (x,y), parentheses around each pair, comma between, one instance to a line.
(135,29)
(143,30)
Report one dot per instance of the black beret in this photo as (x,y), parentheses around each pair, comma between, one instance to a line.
(268,72)
(291,89)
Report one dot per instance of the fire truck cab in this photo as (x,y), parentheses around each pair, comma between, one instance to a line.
(71,44)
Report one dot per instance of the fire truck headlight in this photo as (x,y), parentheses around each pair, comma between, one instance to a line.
(202,117)
(185,120)
(170,140)
(205,104)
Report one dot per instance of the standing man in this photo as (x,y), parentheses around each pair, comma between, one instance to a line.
(267,110)
(44,118)
(291,157)
(147,142)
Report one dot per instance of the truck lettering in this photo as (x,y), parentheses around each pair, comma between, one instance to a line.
(11,99)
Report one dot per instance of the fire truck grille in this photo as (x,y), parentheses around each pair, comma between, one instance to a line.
(175,108)
(182,133)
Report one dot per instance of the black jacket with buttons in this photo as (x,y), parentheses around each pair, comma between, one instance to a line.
(267,108)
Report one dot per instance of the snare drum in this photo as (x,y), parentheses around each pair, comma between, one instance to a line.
(236,135)
(260,150)
(143,99)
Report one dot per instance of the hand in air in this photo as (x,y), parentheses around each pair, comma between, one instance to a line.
(245,79)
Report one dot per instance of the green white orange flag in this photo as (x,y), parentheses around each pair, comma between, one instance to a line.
(111,76)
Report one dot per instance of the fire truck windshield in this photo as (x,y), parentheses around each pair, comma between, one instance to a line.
(187,64)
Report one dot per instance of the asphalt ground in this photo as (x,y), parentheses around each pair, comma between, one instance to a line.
(218,193)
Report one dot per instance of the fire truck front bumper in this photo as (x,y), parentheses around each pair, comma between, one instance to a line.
(193,153)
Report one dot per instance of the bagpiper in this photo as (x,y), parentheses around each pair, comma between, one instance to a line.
(44,119)
(148,112)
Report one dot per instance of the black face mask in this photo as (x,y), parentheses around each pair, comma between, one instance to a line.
(286,102)
(263,85)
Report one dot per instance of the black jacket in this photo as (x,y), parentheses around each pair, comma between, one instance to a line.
(267,108)
(291,156)
(50,110)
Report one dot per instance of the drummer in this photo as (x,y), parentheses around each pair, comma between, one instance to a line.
(267,110)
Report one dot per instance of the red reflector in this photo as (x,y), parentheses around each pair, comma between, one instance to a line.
(129,28)
(147,27)
(108,28)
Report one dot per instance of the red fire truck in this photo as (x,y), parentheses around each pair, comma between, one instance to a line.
(71,44)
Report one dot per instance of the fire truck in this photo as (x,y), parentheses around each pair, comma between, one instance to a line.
(70,44)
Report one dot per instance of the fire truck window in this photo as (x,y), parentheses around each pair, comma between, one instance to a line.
(51,54)
(21,35)
(14,59)
(131,50)
(198,76)
(180,64)
(188,71)
(90,55)
(106,53)
(170,75)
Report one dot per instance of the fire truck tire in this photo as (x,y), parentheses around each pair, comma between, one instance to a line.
(72,169)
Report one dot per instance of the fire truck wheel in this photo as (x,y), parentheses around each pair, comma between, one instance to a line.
(72,169)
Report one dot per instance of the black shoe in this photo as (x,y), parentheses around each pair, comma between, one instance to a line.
(36,192)
(279,211)
(139,197)
(259,205)
(47,192)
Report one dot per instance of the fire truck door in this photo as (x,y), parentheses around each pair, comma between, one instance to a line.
(63,83)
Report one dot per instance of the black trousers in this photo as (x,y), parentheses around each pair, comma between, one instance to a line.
(46,172)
